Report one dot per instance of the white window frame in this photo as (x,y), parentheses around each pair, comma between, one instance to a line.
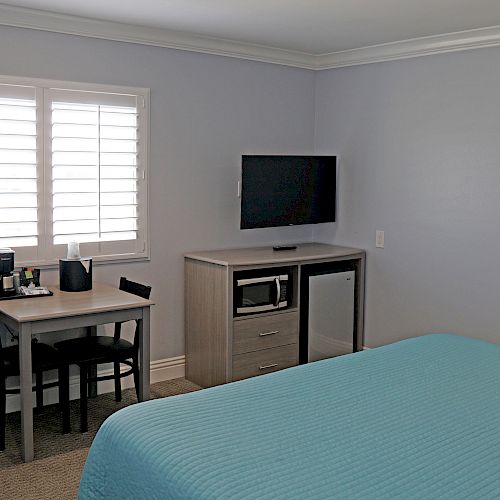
(47,254)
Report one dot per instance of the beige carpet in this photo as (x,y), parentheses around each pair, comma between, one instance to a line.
(59,458)
(55,477)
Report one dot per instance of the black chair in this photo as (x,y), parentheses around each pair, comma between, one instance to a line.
(43,358)
(95,350)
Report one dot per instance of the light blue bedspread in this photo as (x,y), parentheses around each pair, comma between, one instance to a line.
(416,419)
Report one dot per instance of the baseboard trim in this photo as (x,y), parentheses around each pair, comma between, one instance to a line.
(162,369)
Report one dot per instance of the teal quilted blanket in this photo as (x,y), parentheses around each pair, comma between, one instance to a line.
(416,419)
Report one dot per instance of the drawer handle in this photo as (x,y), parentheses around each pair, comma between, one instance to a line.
(265,367)
(265,334)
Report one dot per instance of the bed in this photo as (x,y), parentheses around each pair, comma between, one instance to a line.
(416,419)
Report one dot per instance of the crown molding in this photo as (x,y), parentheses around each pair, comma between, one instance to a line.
(144,35)
(415,47)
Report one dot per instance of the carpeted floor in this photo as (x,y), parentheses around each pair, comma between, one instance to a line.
(59,458)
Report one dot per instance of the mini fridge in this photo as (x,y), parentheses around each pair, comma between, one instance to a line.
(327,312)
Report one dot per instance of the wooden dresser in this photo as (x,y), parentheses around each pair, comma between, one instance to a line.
(222,347)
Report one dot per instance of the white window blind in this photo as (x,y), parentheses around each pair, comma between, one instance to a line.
(73,168)
(18,166)
(94,168)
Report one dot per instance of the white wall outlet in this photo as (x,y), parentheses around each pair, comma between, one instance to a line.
(379,238)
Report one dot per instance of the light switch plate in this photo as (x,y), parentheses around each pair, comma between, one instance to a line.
(379,238)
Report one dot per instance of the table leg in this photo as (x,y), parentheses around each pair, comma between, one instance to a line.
(92,372)
(25,385)
(144,355)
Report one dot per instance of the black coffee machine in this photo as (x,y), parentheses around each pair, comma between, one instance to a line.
(7,287)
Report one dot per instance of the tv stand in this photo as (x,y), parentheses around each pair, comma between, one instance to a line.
(222,347)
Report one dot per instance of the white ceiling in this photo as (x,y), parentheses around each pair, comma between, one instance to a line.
(312,34)
(311,26)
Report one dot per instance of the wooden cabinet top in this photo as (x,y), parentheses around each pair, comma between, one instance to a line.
(266,255)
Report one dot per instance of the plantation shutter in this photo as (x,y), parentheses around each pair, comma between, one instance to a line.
(18,167)
(95,170)
(73,164)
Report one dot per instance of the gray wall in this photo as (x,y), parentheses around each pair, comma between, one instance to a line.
(205,112)
(419,146)
(420,159)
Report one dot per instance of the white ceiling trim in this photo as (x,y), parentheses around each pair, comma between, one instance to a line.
(144,35)
(94,28)
(416,47)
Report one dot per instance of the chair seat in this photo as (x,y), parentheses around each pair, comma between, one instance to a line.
(97,349)
(43,357)
(90,351)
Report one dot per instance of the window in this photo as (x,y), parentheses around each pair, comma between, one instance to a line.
(73,161)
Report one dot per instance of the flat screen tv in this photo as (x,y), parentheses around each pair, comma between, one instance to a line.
(287,190)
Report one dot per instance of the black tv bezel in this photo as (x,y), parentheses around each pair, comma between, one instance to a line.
(263,226)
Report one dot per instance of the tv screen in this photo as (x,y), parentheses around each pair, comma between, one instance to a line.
(287,190)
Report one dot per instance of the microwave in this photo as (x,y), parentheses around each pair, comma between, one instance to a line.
(267,291)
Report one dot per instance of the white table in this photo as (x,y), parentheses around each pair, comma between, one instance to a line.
(62,311)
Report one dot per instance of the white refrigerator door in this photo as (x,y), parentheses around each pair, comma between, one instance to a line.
(331,315)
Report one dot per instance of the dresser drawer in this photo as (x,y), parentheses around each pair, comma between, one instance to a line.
(254,334)
(266,361)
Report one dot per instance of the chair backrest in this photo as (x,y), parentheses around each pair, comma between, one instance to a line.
(136,289)
(2,366)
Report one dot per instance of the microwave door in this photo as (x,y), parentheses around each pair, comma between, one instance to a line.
(258,294)
(254,281)
(255,309)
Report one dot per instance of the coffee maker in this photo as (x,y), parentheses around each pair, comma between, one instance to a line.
(7,287)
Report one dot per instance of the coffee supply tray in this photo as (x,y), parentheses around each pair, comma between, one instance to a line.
(22,296)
